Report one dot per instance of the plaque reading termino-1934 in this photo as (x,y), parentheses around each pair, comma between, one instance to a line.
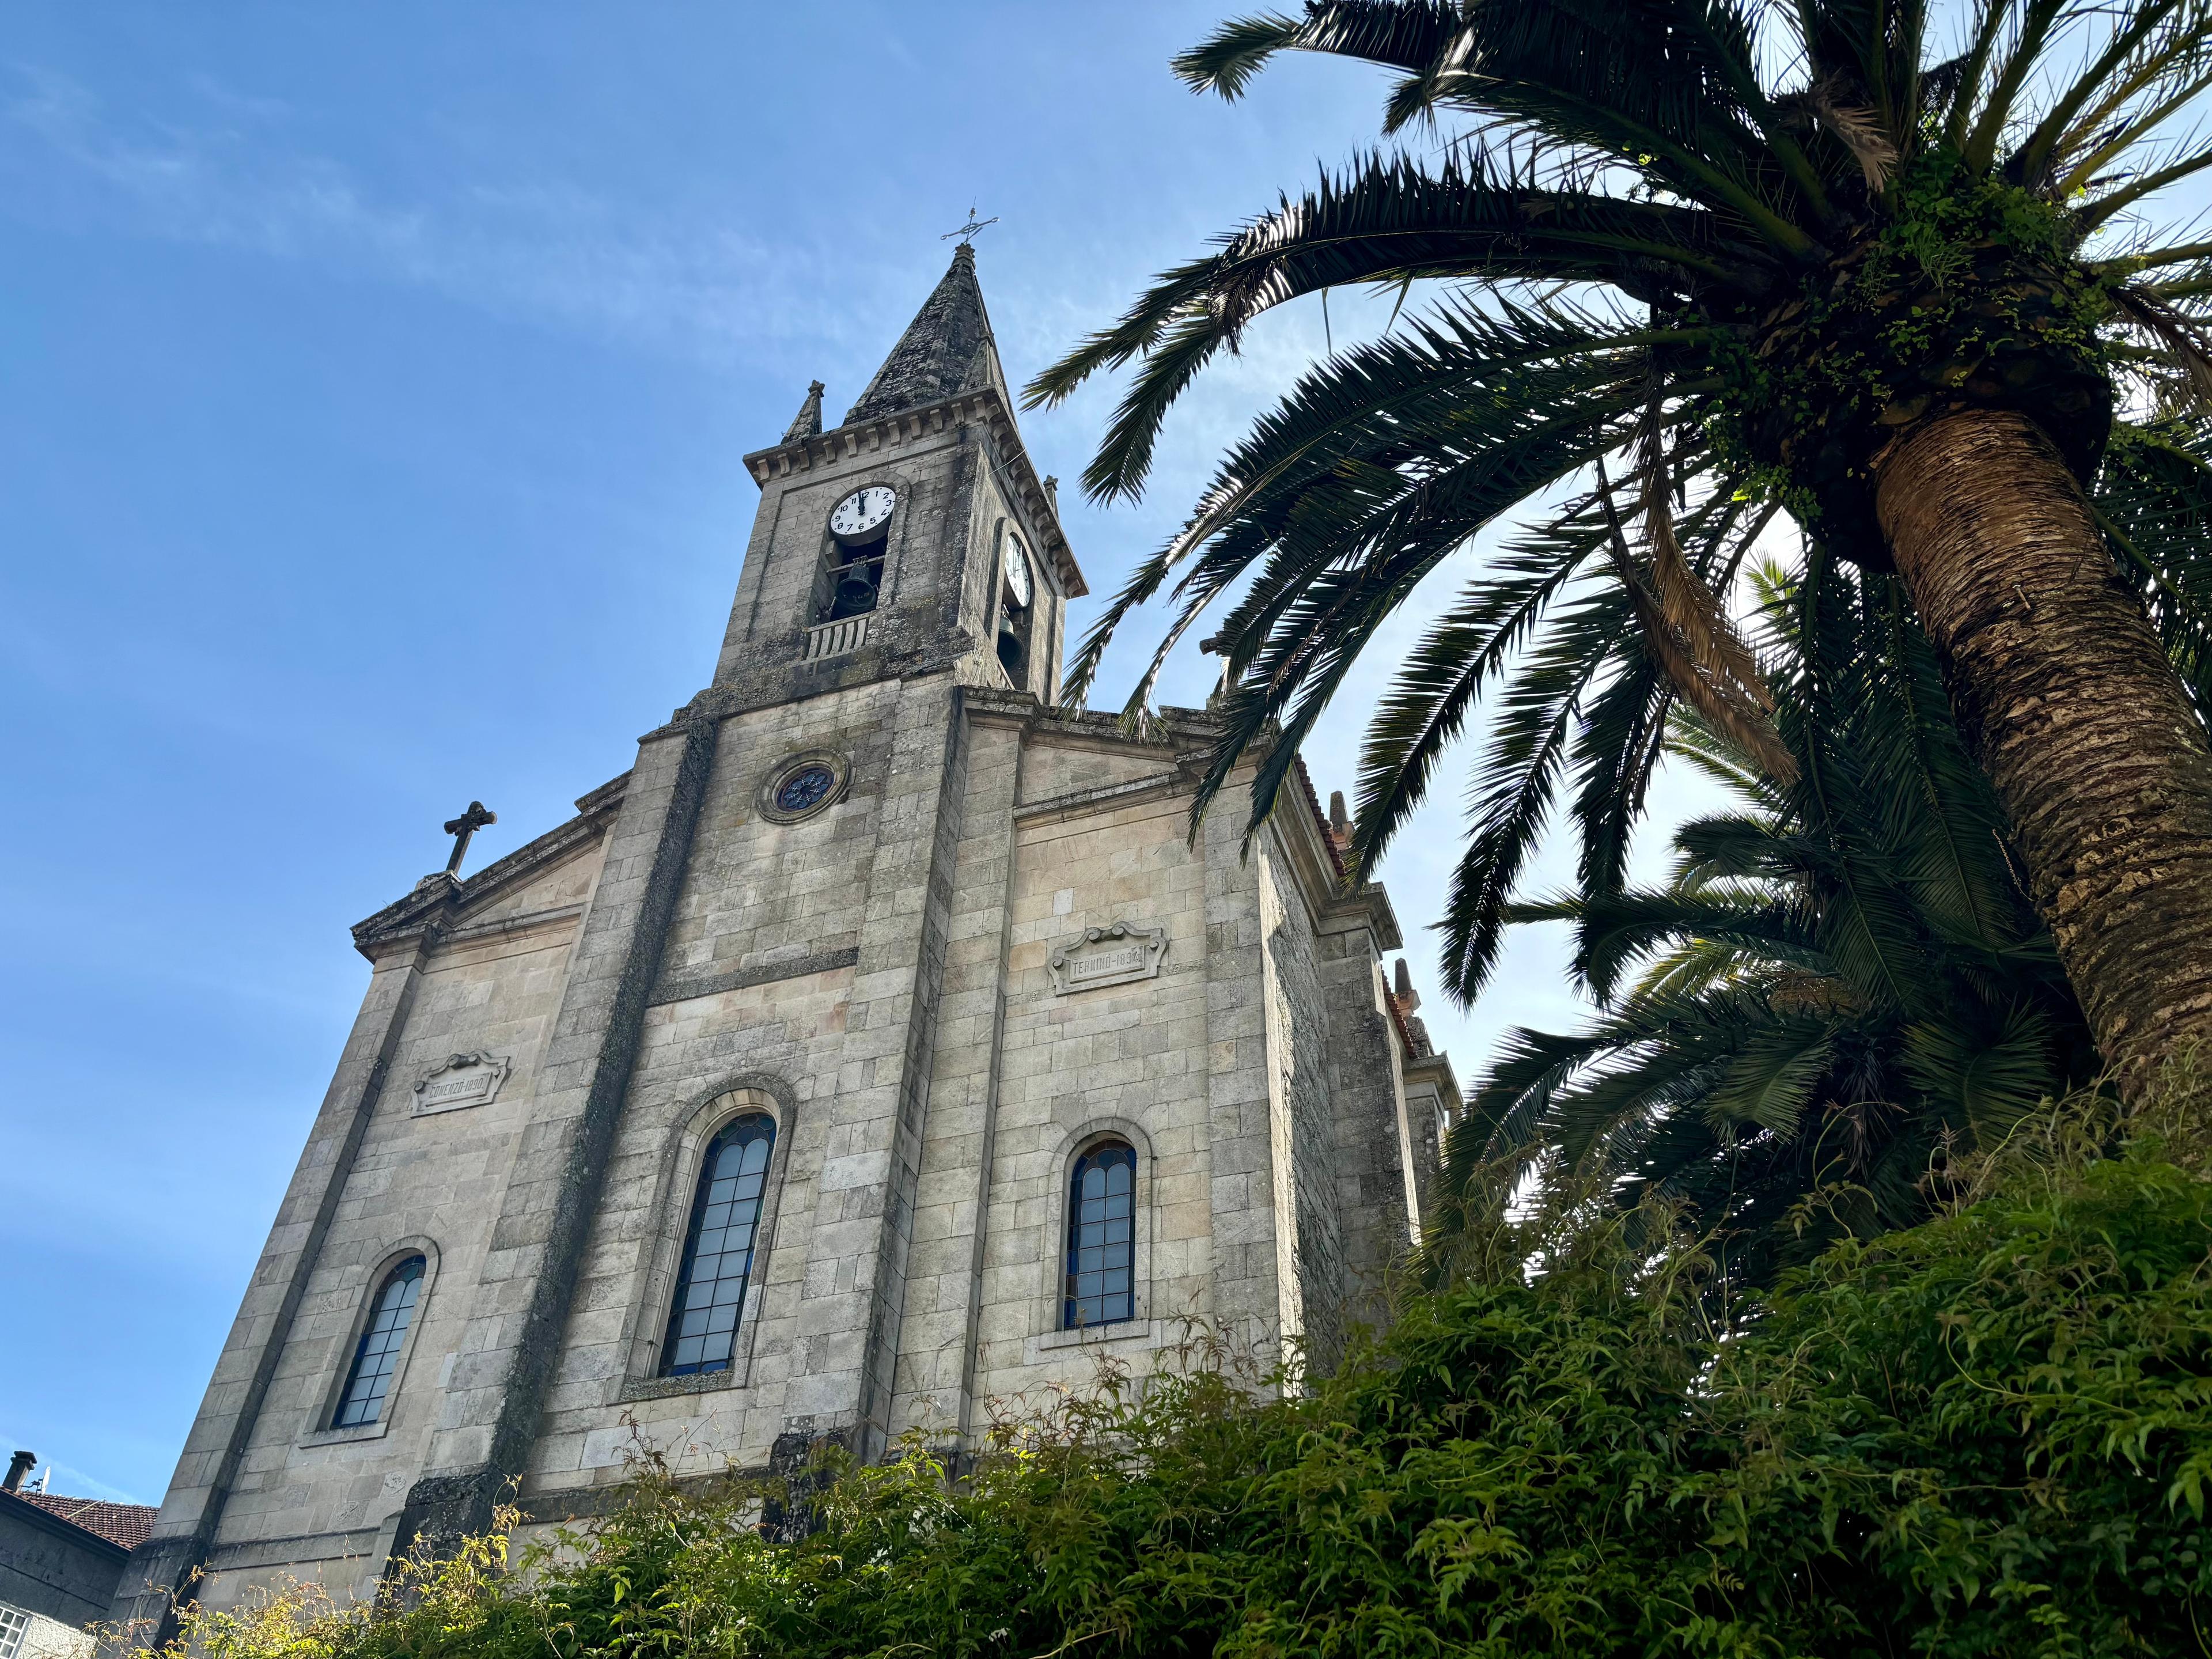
(1107,956)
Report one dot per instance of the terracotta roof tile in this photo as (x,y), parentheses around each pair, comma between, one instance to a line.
(1321,820)
(126,1524)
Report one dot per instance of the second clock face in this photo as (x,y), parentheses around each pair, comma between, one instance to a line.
(1017,570)
(862,513)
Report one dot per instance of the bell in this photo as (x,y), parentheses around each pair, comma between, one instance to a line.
(856,592)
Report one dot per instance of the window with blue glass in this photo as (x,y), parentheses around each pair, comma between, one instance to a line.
(1102,1256)
(376,1356)
(717,1250)
(805,789)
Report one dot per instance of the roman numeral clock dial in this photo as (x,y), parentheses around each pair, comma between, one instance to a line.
(862,514)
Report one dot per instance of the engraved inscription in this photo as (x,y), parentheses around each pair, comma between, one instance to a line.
(1107,956)
(1104,963)
(459,1080)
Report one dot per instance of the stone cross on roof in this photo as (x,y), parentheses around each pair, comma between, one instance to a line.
(462,828)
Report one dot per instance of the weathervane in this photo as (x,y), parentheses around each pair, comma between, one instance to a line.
(967,232)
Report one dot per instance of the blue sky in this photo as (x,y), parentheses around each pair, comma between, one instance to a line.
(372,382)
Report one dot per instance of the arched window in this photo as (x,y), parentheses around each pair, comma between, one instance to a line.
(1101,1237)
(376,1354)
(718,1250)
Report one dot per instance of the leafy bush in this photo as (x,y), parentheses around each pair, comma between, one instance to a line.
(1990,1435)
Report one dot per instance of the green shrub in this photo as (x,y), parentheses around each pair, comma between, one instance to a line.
(1990,1435)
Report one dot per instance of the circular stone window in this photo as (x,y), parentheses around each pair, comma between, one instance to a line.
(802,785)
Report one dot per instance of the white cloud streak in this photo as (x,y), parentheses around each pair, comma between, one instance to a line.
(549,254)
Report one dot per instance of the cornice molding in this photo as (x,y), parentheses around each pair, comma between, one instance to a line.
(1435,1070)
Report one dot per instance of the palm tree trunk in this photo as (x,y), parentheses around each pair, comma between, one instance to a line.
(2077,717)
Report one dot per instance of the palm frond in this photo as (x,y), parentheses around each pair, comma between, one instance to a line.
(1841,980)
(2153,501)
(1407,37)
(1427,705)
(1385,220)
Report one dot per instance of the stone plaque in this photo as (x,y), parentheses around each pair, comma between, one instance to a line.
(459,1080)
(1107,956)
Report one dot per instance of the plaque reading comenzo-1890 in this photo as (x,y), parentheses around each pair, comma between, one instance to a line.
(459,1080)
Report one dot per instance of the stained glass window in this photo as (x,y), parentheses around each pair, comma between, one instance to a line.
(718,1250)
(377,1352)
(806,788)
(1101,1248)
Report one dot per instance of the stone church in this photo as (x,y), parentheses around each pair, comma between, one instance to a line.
(879,1044)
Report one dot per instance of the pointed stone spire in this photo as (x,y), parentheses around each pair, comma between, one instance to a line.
(807,424)
(947,348)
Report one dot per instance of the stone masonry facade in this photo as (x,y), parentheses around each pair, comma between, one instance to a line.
(992,943)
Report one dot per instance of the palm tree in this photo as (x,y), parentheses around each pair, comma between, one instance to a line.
(1703,262)
(1842,985)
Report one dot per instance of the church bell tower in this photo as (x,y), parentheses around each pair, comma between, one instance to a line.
(913,537)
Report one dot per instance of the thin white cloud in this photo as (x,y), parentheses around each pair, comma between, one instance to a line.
(69,1481)
(528,251)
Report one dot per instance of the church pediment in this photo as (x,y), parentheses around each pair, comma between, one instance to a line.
(537,876)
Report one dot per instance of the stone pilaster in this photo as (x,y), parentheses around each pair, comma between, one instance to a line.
(841,1375)
(507,1355)
(1310,1240)
(1253,1283)
(1372,1158)
(936,1381)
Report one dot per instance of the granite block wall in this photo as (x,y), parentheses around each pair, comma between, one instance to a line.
(888,980)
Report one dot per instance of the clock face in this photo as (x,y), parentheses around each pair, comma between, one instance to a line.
(1018,569)
(862,514)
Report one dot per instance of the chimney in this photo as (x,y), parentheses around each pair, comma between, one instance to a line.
(1339,822)
(18,1467)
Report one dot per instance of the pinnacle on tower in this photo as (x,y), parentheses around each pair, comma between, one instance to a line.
(1408,998)
(807,424)
(946,349)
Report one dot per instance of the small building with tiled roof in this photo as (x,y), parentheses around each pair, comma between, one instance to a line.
(61,1561)
(123,1524)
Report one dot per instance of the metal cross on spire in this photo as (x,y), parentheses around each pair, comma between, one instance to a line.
(462,828)
(967,232)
